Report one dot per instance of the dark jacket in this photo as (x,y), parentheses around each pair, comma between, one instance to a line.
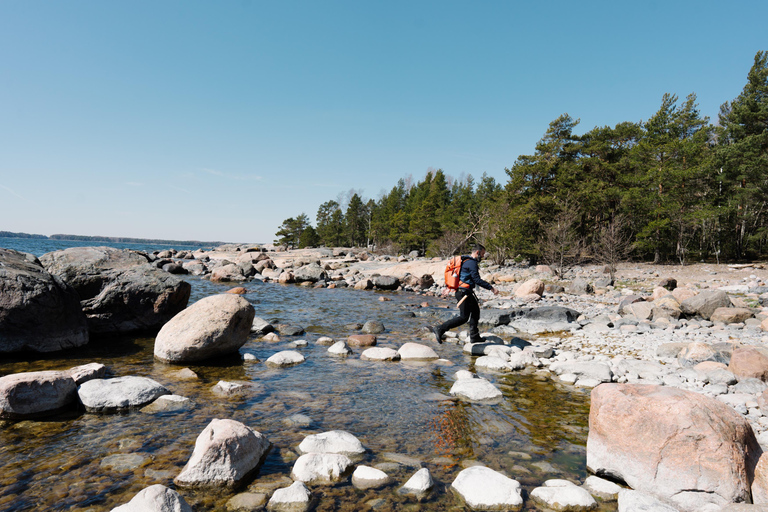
(470,274)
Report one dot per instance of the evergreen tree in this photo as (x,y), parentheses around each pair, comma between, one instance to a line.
(290,231)
(330,224)
(741,158)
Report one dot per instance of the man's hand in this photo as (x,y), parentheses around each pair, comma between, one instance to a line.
(494,290)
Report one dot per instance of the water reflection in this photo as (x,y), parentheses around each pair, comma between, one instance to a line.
(401,412)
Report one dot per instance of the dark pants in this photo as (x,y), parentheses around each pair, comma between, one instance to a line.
(468,310)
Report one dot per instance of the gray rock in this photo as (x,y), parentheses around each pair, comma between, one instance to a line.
(35,394)
(579,286)
(290,330)
(312,273)
(119,290)
(155,498)
(38,312)
(386,282)
(261,326)
(749,386)
(494,317)
(119,393)
(168,403)
(373,327)
(705,303)
(214,326)
(226,452)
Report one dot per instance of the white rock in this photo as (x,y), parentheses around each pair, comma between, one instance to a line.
(226,451)
(602,488)
(155,498)
(339,348)
(475,389)
(417,351)
(325,340)
(320,468)
(285,358)
(563,495)
(419,483)
(249,357)
(169,403)
(485,489)
(334,441)
(380,354)
(295,498)
(366,477)
(464,374)
(493,363)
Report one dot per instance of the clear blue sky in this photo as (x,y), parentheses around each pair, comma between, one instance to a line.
(218,120)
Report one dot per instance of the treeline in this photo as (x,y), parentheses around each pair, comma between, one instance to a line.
(126,240)
(673,188)
(11,234)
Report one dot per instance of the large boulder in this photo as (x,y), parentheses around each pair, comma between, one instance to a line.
(155,498)
(119,290)
(33,394)
(225,453)
(38,311)
(311,272)
(679,445)
(731,315)
(543,319)
(705,303)
(749,362)
(214,326)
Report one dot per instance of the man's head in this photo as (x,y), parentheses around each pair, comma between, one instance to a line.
(478,252)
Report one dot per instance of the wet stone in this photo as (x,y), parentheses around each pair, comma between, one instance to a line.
(125,461)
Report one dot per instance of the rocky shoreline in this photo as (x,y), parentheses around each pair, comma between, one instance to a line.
(681,339)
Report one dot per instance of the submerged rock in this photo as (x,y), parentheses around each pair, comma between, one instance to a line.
(214,326)
(473,388)
(39,312)
(225,453)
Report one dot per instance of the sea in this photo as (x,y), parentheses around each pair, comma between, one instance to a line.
(402,412)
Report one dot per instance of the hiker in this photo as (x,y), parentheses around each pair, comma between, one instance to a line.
(469,309)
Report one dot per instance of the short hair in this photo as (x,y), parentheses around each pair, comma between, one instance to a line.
(478,247)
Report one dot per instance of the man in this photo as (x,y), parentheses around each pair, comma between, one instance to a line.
(469,309)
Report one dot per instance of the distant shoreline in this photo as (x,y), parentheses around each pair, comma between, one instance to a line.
(112,239)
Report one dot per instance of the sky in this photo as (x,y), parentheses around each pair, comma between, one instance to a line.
(216,121)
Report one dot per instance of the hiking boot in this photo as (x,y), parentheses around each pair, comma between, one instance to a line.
(438,333)
(477,340)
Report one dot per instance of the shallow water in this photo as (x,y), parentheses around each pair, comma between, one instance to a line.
(537,432)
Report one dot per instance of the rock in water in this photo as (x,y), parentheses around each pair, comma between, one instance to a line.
(678,445)
(334,441)
(295,498)
(321,468)
(120,393)
(38,311)
(226,452)
(485,489)
(155,498)
(214,326)
(34,394)
(119,290)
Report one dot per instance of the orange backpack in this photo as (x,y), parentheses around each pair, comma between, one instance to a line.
(453,271)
